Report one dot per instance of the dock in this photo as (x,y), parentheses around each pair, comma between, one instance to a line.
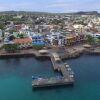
(67,77)
(51,82)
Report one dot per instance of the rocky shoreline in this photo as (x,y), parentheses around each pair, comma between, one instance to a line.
(67,54)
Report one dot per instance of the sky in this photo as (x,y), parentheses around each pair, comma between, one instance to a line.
(58,6)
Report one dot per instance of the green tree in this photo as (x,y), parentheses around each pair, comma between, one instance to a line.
(12,37)
(99,40)
(21,35)
(38,47)
(2,26)
(11,48)
(3,34)
(56,22)
(90,39)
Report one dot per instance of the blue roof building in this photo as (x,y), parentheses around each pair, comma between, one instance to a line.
(38,40)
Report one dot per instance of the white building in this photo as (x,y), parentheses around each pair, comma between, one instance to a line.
(55,36)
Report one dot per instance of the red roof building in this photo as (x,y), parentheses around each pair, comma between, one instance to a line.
(24,42)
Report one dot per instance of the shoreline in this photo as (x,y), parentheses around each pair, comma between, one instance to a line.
(75,53)
(67,77)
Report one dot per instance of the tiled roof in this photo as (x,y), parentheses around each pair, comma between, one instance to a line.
(22,41)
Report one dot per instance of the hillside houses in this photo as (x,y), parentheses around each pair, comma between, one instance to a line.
(51,30)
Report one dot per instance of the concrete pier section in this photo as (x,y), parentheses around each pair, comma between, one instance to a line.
(67,77)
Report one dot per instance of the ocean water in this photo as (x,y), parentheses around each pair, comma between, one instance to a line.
(15,79)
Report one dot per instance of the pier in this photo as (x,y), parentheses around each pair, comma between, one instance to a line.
(67,77)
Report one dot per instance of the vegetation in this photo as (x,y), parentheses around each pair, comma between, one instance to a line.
(56,22)
(38,47)
(12,30)
(2,26)
(90,39)
(99,39)
(11,48)
(3,34)
(18,21)
(21,36)
(80,22)
(12,37)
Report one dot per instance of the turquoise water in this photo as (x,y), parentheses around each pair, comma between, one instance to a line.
(15,79)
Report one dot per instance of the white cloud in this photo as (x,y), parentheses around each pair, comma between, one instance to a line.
(52,5)
(19,6)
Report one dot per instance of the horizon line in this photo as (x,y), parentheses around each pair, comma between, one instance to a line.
(48,11)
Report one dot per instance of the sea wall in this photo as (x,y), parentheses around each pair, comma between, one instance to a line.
(75,53)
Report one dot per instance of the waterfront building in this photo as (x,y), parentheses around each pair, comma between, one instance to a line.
(70,40)
(55,38)
(74,38)
(38,40)
(23,43)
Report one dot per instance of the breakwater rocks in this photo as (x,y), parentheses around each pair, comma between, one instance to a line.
(75,53)
(70,55)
